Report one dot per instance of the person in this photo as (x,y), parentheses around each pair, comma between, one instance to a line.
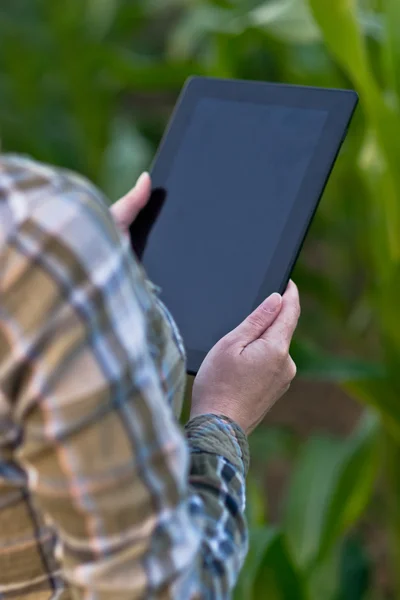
(102,495)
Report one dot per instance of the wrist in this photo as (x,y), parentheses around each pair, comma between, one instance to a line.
(219,409)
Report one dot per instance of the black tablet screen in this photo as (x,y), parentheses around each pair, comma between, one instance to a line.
(229,192)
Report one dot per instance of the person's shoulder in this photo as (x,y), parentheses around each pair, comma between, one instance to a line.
(27,177)
(31,190)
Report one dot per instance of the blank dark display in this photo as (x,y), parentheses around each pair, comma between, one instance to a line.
(212,164)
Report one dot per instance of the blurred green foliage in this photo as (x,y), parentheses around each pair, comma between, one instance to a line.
(89,84)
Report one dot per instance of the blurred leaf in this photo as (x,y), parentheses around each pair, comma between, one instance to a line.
(163,5)
(351,491)
(392,505)
(126,70)
(308,496)
(256,504)
(288,20)
(392,48)
(372,24)
(380,229)
(343,36)
(269,571)
(323,579)
(100,16)
(277,576)
(262,541)
(389,317)
(330,488)
(350,48)
(355,570)
(343,574)
(268,442)
(322,288)
(380,395)
(198,22)
(314,364)
(126,157)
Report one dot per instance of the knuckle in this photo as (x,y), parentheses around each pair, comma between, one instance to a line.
(280,352)
(295,315)
(298,309)
(292,369)
(295,301)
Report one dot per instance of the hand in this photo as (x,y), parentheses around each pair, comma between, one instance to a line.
(127,208)
(250,368)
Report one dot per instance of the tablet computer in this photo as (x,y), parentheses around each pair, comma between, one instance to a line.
(236,182)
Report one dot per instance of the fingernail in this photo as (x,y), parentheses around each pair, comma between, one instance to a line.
(142,177)
(273,302)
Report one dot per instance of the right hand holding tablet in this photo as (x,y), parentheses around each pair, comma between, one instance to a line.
(250,368)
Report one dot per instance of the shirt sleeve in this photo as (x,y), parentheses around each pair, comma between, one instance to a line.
(140,511)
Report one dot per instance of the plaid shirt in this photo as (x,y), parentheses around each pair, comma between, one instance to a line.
(102,496)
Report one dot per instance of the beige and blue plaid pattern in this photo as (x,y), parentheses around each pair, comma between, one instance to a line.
(102,496)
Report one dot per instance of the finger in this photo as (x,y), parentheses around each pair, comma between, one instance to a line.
(283,328)
(259,320)
(127,208)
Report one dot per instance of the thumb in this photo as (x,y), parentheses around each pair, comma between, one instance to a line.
(258,322)
(127,208)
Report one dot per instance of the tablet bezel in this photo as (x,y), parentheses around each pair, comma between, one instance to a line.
(340,106)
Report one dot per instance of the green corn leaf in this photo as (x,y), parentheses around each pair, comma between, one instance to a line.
(380,396)
(127,155)
(391,474)
(355,572)
(381,236)
(267,442)
(388,311)
(278,573)
(354,483)
(308,496)
(391,49)
(322,579)
(373,384)
(349,47)
(288,20)
(329,490)
(269,571)
(324,289)
(197,23)
(343,574)
(314,364)
(344,38)
(256,502)
(155,6)
(130,71)
(100,16)
(262,543)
